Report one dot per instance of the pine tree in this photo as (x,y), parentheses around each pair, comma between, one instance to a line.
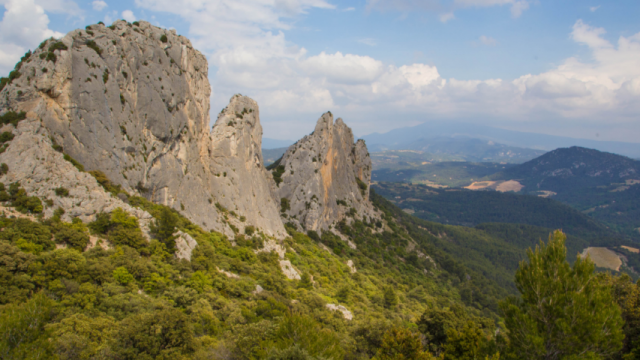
(564,312)
(164,228)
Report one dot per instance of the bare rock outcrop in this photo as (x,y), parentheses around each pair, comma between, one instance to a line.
(325,177)
(41,170)
(132,100)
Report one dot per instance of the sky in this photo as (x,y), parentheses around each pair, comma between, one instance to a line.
(562,67)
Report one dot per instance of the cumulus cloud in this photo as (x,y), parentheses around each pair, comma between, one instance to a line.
(487,40)
(99,5)
(128,15)
(24,25)
(68,7)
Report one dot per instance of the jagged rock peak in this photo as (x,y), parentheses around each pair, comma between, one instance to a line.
(324,178)
(132,100)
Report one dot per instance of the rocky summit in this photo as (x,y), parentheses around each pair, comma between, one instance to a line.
(324,177)
(131,101)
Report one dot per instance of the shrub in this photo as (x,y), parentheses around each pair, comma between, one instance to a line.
(11,117)
(284,205)
(92,45)
(122,276)
(249,230)
(122,101)
(277,174)
(76,239)
(52,57)
(58,45)
(4,168)
(62,191)
(105,76)
(73,161)
(6,136)
(163,38)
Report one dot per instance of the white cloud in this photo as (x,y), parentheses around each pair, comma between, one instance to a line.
(128,15)
(368,41)
(349,9)
(446,17)
(594,8)
(24,25)
(487,40)
(343,69)
(518,8)
(68,7)
(99,5)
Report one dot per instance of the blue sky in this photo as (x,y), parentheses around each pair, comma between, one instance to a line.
(562,67)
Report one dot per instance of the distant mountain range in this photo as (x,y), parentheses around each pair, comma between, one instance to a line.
(400,139)
(466,149)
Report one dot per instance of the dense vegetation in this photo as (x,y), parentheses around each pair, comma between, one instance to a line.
(470,208)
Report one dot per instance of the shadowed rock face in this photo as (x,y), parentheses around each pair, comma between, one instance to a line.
(325,175)
(133,102)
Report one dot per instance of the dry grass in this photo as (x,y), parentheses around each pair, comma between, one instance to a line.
(603,257)
(510,185)
(477,185)
(633,250)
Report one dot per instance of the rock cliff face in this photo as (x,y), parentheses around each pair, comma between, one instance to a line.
(325,177)
(133,102)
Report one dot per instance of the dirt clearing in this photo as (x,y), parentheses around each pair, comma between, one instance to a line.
(511,185)
(603,257)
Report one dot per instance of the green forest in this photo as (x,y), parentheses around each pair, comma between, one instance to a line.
(421,290)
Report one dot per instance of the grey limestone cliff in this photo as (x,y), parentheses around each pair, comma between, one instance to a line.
(132,100)
(325,177)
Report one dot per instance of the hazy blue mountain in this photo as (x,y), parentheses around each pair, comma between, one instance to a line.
(271,155)
(474,150)
(398,139)
(275,143)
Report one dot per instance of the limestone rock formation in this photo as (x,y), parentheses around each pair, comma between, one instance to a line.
(132,100)
(41,170)
(325,177)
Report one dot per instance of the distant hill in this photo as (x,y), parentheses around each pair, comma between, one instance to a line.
(271,155)
(603,185)
(466,149)
(568,169)
(398,139)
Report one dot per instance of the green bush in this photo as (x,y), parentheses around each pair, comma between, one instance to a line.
(58,45)
(6,136)
(11,117)
(92,45)
(105,76)
(73,161)
(75,239)
(277,174)
(4,168)
(61,191)
(163,38)
(284,205)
